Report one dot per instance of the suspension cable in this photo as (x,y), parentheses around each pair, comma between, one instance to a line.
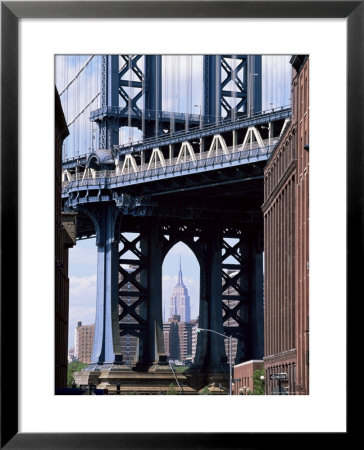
(234,74)
(143,96)
(129,98)
(83,109)
(157,106)
(173,90)
(77,74)
(217,90)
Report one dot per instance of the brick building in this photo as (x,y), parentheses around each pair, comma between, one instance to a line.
(194,338)
(178,338)
(65,238)
(84,341)
(243,374)
(286,237)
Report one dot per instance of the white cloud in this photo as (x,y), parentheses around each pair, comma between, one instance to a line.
(79,286)
(82,303)
(84,251)
(84,314)
(192,282)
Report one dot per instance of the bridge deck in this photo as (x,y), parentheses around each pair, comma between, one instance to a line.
(113,179)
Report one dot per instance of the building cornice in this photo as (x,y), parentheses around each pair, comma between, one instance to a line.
(286,356)
(282,181)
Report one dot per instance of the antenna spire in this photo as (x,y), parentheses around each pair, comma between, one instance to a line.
(180,281)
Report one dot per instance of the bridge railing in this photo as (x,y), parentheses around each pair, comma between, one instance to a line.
(147,114)
(173,166)
(208,123)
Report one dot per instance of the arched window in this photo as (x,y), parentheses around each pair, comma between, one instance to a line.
(181,294)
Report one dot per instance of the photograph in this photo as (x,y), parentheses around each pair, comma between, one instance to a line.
(181,213)
(182,224)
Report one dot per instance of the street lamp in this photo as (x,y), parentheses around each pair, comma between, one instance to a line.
(199,106)
(269,133)
(230,351)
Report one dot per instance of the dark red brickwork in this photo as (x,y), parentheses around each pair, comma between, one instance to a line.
(61,256)
(243,377)
(286,225)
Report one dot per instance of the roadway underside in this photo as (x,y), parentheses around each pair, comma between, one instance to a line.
(231,196)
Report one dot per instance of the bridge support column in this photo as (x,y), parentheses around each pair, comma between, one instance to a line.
(250,343)
(210,360)
(212,88)
(216,351)
(106,347)
(255,338)
(151,245)
(153,93)
(106,352)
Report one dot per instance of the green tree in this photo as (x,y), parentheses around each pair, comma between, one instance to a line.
(205,391)
(259,385)
(74,366)
(180,369)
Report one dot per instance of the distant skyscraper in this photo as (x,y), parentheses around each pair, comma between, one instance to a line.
(180,300)
(174,341)
(84,341)
(178,339)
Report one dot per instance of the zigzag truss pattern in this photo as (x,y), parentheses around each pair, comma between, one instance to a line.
(218,147)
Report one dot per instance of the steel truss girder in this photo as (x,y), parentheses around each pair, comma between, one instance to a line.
(139,313)
(139,296)
(235,289)
(131,64)
(232,75)
(136,296)
(131,278)
(208,131)
(217,96)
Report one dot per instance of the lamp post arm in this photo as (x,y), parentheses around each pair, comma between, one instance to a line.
(230,355)
(213,331)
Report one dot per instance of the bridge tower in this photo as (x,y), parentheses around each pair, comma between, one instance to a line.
(129,84)
(232,86)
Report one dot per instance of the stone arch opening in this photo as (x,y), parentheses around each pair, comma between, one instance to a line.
(180,303)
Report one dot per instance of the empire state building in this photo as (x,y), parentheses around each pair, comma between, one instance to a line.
(180,300)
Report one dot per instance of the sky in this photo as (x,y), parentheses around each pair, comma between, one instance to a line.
(276,74)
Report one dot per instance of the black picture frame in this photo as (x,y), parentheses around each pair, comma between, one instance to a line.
(11,12)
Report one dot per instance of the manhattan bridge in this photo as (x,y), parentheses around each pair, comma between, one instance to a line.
(135,165)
